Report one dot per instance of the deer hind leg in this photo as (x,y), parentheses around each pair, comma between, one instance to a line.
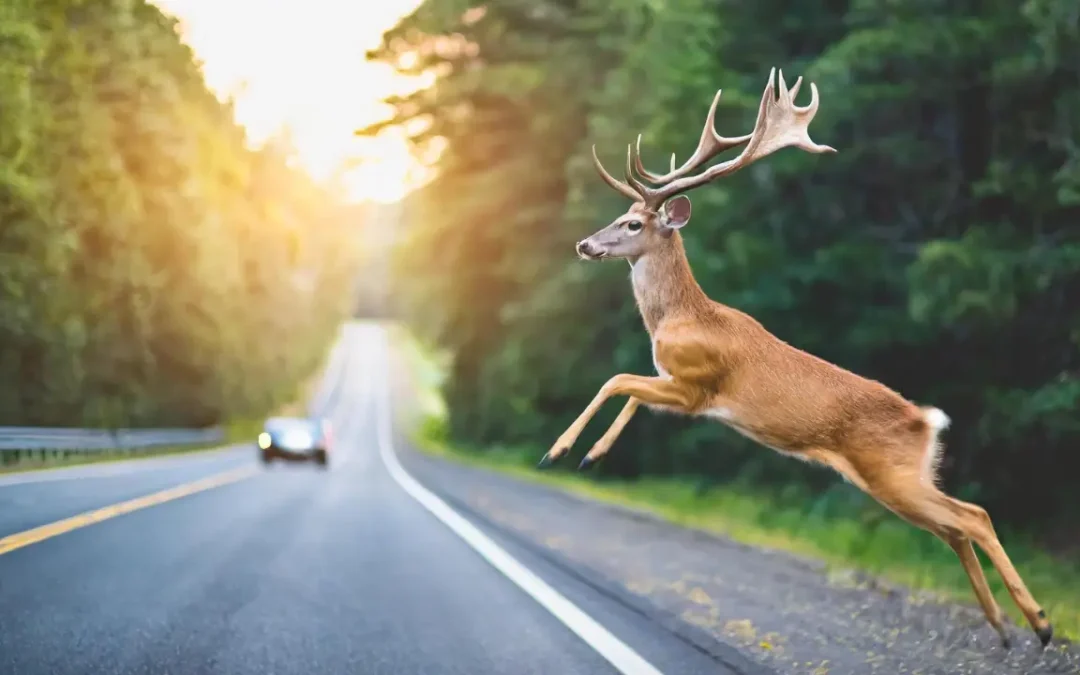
(921,504)
(601,447)
(839,464)
(907,492)
(978,527)
(970,561)
(649,390)
(918,516)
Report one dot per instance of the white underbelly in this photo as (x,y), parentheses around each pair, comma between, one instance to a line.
(728,417)
(723,414)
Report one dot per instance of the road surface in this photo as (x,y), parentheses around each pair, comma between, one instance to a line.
(396,562)
(294,570)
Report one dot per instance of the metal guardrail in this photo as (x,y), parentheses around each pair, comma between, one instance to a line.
(100,440)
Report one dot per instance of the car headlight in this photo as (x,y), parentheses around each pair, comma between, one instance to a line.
(264,440)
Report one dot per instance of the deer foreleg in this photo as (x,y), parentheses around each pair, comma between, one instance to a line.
(648,390)
(601,447)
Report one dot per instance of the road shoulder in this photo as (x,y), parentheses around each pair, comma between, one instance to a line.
(735,601)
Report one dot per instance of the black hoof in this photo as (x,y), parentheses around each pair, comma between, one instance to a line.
(545,461)
(1045,635)
(1006,643)
(586,464)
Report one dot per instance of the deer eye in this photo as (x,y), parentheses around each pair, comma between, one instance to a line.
(634,225)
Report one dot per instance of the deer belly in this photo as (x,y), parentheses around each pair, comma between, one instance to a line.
(728,417)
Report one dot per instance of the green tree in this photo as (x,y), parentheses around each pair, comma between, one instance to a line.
(154,268)
(937,251)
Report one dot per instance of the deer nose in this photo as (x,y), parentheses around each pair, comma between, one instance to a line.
(586,249)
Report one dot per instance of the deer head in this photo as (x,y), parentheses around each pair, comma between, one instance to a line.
(659,212)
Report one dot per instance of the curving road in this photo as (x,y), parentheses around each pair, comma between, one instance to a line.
(212,564)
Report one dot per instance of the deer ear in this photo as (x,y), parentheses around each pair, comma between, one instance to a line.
(676,212)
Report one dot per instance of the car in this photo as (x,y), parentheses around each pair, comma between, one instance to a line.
(296,439)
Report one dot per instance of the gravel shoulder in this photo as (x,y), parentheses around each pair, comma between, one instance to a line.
(773,609)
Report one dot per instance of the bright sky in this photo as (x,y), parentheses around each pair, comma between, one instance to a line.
(300,64)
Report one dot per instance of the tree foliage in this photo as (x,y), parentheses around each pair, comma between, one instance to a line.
(155,269)
(938,251)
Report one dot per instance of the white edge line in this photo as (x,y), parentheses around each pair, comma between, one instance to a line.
(614,650)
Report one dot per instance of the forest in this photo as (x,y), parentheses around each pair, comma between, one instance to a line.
(937,251)
(156,267)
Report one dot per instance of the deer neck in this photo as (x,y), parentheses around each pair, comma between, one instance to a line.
(663,282)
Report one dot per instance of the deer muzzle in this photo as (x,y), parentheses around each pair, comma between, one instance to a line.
(588,250)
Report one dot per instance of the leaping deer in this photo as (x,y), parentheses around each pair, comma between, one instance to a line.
(716,361)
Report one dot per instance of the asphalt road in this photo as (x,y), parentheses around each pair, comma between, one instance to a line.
(290,569)
(393,561)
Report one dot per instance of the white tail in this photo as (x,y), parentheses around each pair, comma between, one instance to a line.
(937,419)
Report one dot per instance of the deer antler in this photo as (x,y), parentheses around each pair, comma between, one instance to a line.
(613,182)
(780,123)
(710,145)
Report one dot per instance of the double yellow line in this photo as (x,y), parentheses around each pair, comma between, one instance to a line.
(21,539)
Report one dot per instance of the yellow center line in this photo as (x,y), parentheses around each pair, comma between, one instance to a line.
(20,539)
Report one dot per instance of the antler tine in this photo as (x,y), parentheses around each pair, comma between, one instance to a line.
(648,194)
(785,94)
(709,146)
(810,109)
(795,87)
(640,168)
(780,123)
(617,185)
(787,99)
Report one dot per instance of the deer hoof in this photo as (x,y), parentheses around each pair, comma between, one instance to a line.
(586,464)
(1045,634)
(546,461)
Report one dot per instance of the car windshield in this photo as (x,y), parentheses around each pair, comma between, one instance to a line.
(279,425)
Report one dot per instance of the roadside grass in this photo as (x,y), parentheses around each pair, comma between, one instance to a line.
(868,539)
